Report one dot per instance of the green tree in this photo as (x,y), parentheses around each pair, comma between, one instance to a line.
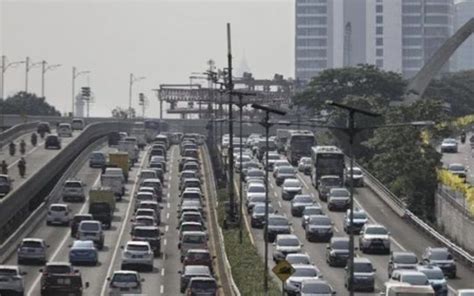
(121,113)
(27,104)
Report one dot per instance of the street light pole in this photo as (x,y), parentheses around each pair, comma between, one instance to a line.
(44,69)
(5,66)
(133,79)
(266,124)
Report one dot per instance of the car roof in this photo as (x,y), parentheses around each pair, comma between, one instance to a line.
(138,243)
(58,205)
(200,233)
(197,269)
(29,239)
(339,239)
(283,236)
(146,227)
(125,272)
(82,244)
(59,264)
(362,260)
(408,272)
(198,251)
(400,253)
(13,267)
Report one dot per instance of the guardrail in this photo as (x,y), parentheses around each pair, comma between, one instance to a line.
(399,207)
(22,201)
(452,200)
(9,134)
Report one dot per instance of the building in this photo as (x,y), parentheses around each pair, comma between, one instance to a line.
(394,35)
(464,55)
(79,106)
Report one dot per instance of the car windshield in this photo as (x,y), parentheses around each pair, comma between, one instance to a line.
(89,226)
(58,269)
(278,221)
(255,173)
(340,244)
(339,193)
(261,210)
(145,212)
(316,288)
(204,285)
(257,189)
(434,274)
(312,211)
(456,167)
(191,227)
(125,278)
(286,170)
(303,198)
(363,267)
(440,255)
(7,271)
(146,232)
(297,259)
(194,239)
(199,256)
(320,221)
(406,259)
(359,215)
(292,183)
(73,184)
(58,209)
(376,230)
(305,272)
(449,141)
(146,175)
(139,248)
(288,242)
(97,156)
(415,279)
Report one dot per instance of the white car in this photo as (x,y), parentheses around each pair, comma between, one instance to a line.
(91,230)
(77,124)
(458,169)
(302,272)
(465,292)
(74,190)
(374,237)
(58,214)
(11,279)
(358,177)
(285,244)
(64,130)
(449,145)
(290,188)
(125,282)
(136,253)
(32,249)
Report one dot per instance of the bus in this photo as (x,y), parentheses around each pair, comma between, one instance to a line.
(153,127)
(138,131)
(281,138)
(326,160)
(299,145)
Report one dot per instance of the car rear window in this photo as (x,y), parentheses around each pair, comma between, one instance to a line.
(194,239)
(32,244)
(58,209)
(90,226)
(58,269)
(140,248)
(73,184)
(203,285)
(7,271)
(146,232)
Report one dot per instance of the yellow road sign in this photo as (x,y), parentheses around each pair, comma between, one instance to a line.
(283,270)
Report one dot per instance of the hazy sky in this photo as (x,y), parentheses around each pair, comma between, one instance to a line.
(162,40)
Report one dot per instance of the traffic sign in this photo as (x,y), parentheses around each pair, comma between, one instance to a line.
(283,270)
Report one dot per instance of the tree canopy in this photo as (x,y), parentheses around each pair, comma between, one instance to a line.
(122,113)
(28,104)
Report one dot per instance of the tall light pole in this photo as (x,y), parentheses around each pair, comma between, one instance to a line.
(75,74)
(266,124)
(5,66)
(44,69)
(28,67)
(133,79)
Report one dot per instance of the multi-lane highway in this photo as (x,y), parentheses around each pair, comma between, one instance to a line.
(464,156)
(404,237)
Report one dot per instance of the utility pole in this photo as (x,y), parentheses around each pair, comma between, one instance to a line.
(5,66)
(27,67)
(44,69)
(133,79)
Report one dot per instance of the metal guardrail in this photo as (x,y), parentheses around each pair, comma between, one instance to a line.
(452,200)
(399,207)
(9,134)
(22,201)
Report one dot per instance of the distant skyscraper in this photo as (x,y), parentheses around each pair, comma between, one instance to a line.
(464,56)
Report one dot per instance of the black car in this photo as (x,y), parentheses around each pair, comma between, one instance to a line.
(258,215)
(277,224)
(113,138)
(337,251)
(364,275)
(43,127)
(76,220)
(442,258)
(149,234)
(299,203)
(52,141)
(191,271)
(63,284)
(319,228)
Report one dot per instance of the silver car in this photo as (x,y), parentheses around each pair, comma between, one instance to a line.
(32,249)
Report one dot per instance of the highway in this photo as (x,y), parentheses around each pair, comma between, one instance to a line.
(404,237)
(463,156)
(163,280)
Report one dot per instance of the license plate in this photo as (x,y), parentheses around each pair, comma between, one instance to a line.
(137,256)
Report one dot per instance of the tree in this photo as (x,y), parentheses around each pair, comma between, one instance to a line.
(121,113)
(360,81)
(27,104)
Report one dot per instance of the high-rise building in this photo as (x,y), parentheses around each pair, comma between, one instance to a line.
(464,56)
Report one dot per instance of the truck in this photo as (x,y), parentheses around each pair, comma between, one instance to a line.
(120,160)
(131,149)
(138,131)
(102,204)
(405,289)
(115,183)
(281,138)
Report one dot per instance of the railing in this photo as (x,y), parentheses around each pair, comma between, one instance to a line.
(9,134)
(447,196)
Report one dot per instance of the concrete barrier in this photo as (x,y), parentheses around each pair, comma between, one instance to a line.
(21,202)
(11,133)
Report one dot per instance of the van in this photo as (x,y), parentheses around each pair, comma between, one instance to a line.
(77,124)
(64,130)
(192,240)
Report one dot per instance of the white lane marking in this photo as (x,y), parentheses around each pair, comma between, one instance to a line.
(303,181)
(26,154)
(166,228)
(164,256)
(122,229)
(271,186)
(167,216)
(61,245)
(279,204)
(163,271)
(276,195)
(162,289)
(165,241)
(335,229)
(168,205)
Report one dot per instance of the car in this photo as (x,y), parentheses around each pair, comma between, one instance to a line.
(412,277)
(315,287)
(298,258)
(277,224)
(304,165)
(55,268)
(76,220)
(257,219)
(64,130)
(191,271)
(442,258)
(338,199)
(358,177)
(254,174)
(32,249)
(308,211)
(150,234)
(319,228)
(11,280)
(5,185)
(142,196)
(191,217)
(198,257)
(148,174)
(156,193)
(283,173)
(302,272)
(458,169)
(52,141)
(58,214)
(97,159)
(192,240)
(255,188)
(299,203)
(374,237)
(91,230)
(151,204)
(43,127)
(143,221)
(290,188)
(63,284)
(465,292)
(147,212)
(202,286)
(364,275)
(185,160)
(449,145)
(137,254)
(337,251)
(401,260)
(285,244)
(77,124)
(436,279)
(279,163)
(325,184)
(272,158)
(254,199)
(358,220)
(73,190)
(249,165)
(125,282)
(83,252)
